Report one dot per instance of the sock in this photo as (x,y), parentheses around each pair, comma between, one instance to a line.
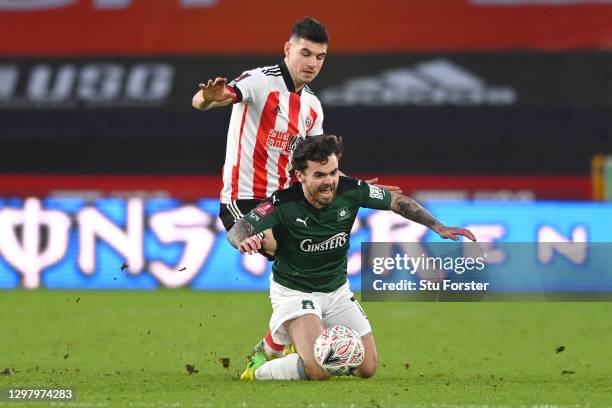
(270,348)
(290,367)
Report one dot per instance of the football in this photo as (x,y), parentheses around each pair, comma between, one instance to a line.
(339,350)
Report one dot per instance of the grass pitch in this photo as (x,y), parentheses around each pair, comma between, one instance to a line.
(132,348)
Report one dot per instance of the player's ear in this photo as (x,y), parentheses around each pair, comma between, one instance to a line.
(300,176)
(286,48)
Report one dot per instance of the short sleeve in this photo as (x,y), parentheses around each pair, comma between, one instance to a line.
(316,116)
(264,216)
(372,196)
(248,86)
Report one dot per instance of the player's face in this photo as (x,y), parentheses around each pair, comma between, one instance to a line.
(320,181)
(304,59)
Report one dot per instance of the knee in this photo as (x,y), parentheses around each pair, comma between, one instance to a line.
(368,368)
(314,371)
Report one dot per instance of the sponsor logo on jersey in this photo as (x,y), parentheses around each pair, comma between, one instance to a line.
(303,221)
(376,192)
(294,141)
(278,140)
(337,241)
(431,83)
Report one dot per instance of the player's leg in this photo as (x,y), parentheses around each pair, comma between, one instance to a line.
(368,368)
(296,317)
(269,348)
(229,214)
(302,365)
(345,310)
(303,331)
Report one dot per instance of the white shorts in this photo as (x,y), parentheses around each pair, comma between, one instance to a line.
(337,307)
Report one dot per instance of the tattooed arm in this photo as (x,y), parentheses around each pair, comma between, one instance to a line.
(410,209)
(242,237)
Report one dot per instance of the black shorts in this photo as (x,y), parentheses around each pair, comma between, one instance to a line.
(230,213)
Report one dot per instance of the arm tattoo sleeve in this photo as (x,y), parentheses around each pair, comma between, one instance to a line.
(410,209)
(239,232)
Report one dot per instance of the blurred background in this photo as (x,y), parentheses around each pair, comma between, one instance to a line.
(497,114)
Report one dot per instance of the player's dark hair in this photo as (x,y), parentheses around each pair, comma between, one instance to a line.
(316,148)
(311,30)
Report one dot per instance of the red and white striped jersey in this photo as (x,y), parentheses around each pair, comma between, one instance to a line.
(267,118)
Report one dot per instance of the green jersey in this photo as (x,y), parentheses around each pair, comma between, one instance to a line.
(313,244)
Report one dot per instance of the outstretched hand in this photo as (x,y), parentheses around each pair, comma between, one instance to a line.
(216,91)
(452,232)
(392,189)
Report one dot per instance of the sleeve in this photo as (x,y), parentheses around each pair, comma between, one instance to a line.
(248,86)
(264,216)
(316,117)
(371,196)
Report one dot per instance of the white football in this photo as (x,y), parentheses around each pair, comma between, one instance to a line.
(339,350)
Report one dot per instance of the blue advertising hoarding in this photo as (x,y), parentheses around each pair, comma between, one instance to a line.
(139,244)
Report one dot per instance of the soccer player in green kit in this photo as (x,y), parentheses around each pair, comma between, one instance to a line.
(311,222)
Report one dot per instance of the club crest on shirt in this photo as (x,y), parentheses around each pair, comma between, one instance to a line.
(342,214)
(308,122)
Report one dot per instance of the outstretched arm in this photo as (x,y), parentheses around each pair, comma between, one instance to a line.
(410,209)
(392,189)
(212,94)
(374,181)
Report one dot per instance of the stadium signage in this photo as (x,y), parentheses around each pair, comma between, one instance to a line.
(47,85)
(40,5)
(146,244)
(178,27)
(430,83)
(557,3)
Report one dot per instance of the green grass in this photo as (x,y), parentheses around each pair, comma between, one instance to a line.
(119,348)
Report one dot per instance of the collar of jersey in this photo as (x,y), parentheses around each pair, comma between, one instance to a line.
(288,80)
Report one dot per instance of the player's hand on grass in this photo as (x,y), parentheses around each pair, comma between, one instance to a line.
(453,232)
(216,91)
(252,245)
(393,189)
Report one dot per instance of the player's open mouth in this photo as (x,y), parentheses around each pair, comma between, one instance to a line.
(326,193)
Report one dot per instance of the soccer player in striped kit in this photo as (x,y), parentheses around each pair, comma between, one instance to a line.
(272,108)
